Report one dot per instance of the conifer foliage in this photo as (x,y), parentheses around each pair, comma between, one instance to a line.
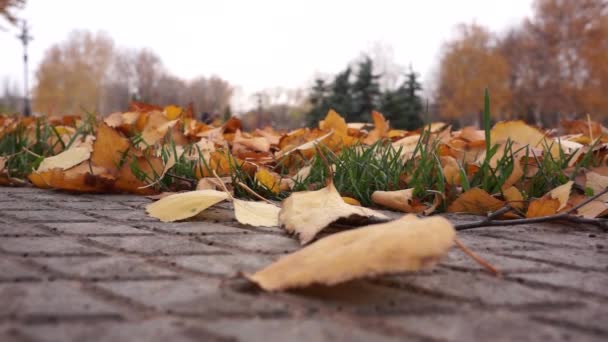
(356,92)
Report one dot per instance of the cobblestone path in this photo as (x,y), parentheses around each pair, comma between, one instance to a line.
(96,268)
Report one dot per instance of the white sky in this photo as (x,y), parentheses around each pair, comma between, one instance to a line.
(264,43)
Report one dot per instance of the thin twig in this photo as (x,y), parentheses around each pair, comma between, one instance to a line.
(499,212)
(477,258)
(253,193)
(563,216)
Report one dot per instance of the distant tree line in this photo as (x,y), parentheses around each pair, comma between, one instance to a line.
(356,92)
(552,65)
(87,72)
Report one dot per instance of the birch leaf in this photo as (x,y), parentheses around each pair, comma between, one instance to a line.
(184,205)
(306,213)
(257,214)
(66,159)
(406,244)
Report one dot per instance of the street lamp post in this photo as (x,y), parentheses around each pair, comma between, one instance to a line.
(25,38)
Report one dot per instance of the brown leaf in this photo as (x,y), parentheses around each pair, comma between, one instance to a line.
(109,147)
(398,200)
(406,244)
(475,201)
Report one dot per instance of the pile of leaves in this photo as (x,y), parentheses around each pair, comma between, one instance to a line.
(307,179)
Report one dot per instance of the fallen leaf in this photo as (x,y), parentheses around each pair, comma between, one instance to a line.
(109,148)
(380,131)
(475,201)
(551,203)
(334,122)
(406,244)
(514,197)
(542,207)
(268,179)
(184,205)
(81,178)
(66,159)
(351,201)
(597,183)
(257,214)
(398,200)
(306,213)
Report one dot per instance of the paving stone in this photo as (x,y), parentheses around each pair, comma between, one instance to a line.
(477,286)
(97,205)
(475,326)
(50,196)
(152,330)
(113,268)
(24,205)
(123,215)
(263,330)
(592,282)
(95,228)
(15,229)
(52,245)
(158,245)
(12,271)
(191,297)
(260,243)
(196,227)
(457,259)
(50,299)
(226,265)
(563,257)
(47,215)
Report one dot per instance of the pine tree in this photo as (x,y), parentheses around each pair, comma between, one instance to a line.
(366,92)
(319,101)
(403,105)
(341,97)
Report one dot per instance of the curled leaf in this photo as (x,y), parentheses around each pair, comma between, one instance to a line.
(306,213)
(406,244)
(475,201)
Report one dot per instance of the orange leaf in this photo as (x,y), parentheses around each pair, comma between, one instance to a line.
(475,201)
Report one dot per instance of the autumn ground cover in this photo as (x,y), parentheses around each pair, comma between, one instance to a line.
(310,178)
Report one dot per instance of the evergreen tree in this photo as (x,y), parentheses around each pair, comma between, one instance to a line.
(366,92)
(319,101)
(227,113)
(341,96)
(403,105)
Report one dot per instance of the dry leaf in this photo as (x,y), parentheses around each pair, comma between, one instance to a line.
(334,122)
(260,144)
(257,214)
(66,159)
(306,213)
(82,178)
(551,203)
(351,201)
(597,183)
(399,200)
(184,205)
(109,147)
(406,244)
(475,201)
(514,197)
(269,179)
(380,131)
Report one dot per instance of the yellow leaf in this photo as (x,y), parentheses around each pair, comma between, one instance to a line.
(561,193)
(380,129)
(172,112)
(66,159)
(406,244)
(333,121)
(306,213)
(545,206)
(257,214)
(267,179)
(184,205)
(351,201)
(514,197)
(597,183)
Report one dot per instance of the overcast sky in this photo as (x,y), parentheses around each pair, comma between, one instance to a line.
(265,43)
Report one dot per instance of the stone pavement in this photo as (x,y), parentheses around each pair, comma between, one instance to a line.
(96,268)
